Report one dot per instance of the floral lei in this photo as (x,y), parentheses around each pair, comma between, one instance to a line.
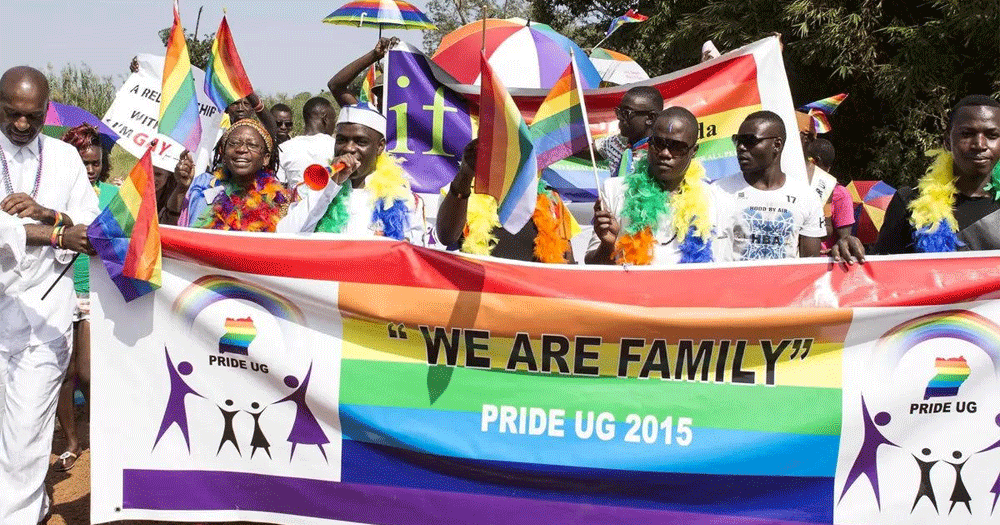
(387,184)
(932,212)
(646,202)
(257,209)
(482,218)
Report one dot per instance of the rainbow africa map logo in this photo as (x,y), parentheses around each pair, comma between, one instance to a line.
(951,373)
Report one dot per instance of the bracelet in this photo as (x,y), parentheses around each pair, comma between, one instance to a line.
(56,239)
(59,220)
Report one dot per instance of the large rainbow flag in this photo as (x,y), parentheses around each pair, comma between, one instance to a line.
(126,235)
(178,103)
(560,126)
(506,166)
(225,79)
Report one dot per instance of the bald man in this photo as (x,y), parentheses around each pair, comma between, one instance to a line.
(315,145)
(45,192)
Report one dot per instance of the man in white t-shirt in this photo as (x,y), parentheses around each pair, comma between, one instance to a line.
(314,146)
(672,146)
(772,217)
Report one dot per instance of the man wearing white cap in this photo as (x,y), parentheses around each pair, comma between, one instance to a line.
(367,194)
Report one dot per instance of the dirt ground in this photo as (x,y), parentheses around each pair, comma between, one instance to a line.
(71,490)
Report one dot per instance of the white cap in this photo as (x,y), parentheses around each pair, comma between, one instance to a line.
(364,114)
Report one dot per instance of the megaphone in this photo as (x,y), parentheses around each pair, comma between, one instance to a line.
(317,176)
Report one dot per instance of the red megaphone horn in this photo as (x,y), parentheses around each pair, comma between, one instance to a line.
(317,176)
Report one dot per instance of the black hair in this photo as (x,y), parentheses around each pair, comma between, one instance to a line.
(647,93)
(313,107)
(280,107)
(768,116)
(823,152)
(683,114)
(970,101)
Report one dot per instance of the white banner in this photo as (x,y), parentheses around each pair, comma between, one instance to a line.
(135,112)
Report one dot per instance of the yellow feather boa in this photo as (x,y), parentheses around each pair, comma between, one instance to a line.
(389,182)
(936,200)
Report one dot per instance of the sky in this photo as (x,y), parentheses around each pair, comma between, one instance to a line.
(285,46)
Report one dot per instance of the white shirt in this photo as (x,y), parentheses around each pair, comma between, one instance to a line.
(767,224)
(304,214)
(13,326)
(297,153)
(667,249)
(64,187)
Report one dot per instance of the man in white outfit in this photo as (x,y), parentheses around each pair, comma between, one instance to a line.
(45,191)
(315,145)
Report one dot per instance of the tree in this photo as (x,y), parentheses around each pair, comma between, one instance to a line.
(449,15)
(79,86)
(200,50)
(902,63)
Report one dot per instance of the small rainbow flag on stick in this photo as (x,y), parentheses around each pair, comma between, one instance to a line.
(630,17)
(126,235)
(225,79)
(821,110)
(506,165)
(366,86)
(179,118)
(560,125)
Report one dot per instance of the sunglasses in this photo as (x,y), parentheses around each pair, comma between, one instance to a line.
(626,113)
(749,140)
(675,147)
(283,123)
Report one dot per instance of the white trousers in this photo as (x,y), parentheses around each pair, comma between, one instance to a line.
(29,388)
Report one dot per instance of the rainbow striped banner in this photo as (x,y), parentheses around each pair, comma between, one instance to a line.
(524,394)
(179,118)
(126,235)
(560,126)
(225,79)
(507,166)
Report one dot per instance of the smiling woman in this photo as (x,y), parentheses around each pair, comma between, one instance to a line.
(242,194)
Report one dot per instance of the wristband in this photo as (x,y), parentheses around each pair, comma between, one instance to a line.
(59,220)
(61,230)
(56,239)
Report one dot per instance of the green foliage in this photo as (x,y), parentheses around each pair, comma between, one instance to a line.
(200,50)
(79,86)
(903,63)
(296,104)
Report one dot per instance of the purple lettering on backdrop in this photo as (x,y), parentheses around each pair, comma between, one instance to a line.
(429,170)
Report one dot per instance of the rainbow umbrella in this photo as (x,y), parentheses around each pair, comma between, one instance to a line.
(871,198)
(522,54)
(61,117)
(617,68)
(383,14)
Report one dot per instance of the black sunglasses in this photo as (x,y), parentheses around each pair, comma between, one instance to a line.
(675,147)
(626,113)
(749,139)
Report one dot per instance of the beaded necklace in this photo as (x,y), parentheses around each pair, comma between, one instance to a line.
(8,185)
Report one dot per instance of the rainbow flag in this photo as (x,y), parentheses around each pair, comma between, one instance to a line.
(225,79)
(560,126)
(951,373)
(630,17)
(366,86)
(239,334)
(828,105)
(179,117)
(508,169)
(126,235)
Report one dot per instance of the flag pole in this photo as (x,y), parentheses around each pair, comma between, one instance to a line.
(66,269)
(483,46)
(586,126)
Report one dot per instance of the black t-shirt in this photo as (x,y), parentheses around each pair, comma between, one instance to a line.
(518,246)
(896,235)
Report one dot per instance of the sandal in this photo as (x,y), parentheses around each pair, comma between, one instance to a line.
(66,461)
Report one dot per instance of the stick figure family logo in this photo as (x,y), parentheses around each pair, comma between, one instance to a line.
(951,374)
(238,336)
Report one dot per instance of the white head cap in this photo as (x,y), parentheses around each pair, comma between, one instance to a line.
(364,114)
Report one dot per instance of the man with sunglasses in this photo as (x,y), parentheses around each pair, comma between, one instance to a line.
(635,113)
(672,146)
(773,217)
